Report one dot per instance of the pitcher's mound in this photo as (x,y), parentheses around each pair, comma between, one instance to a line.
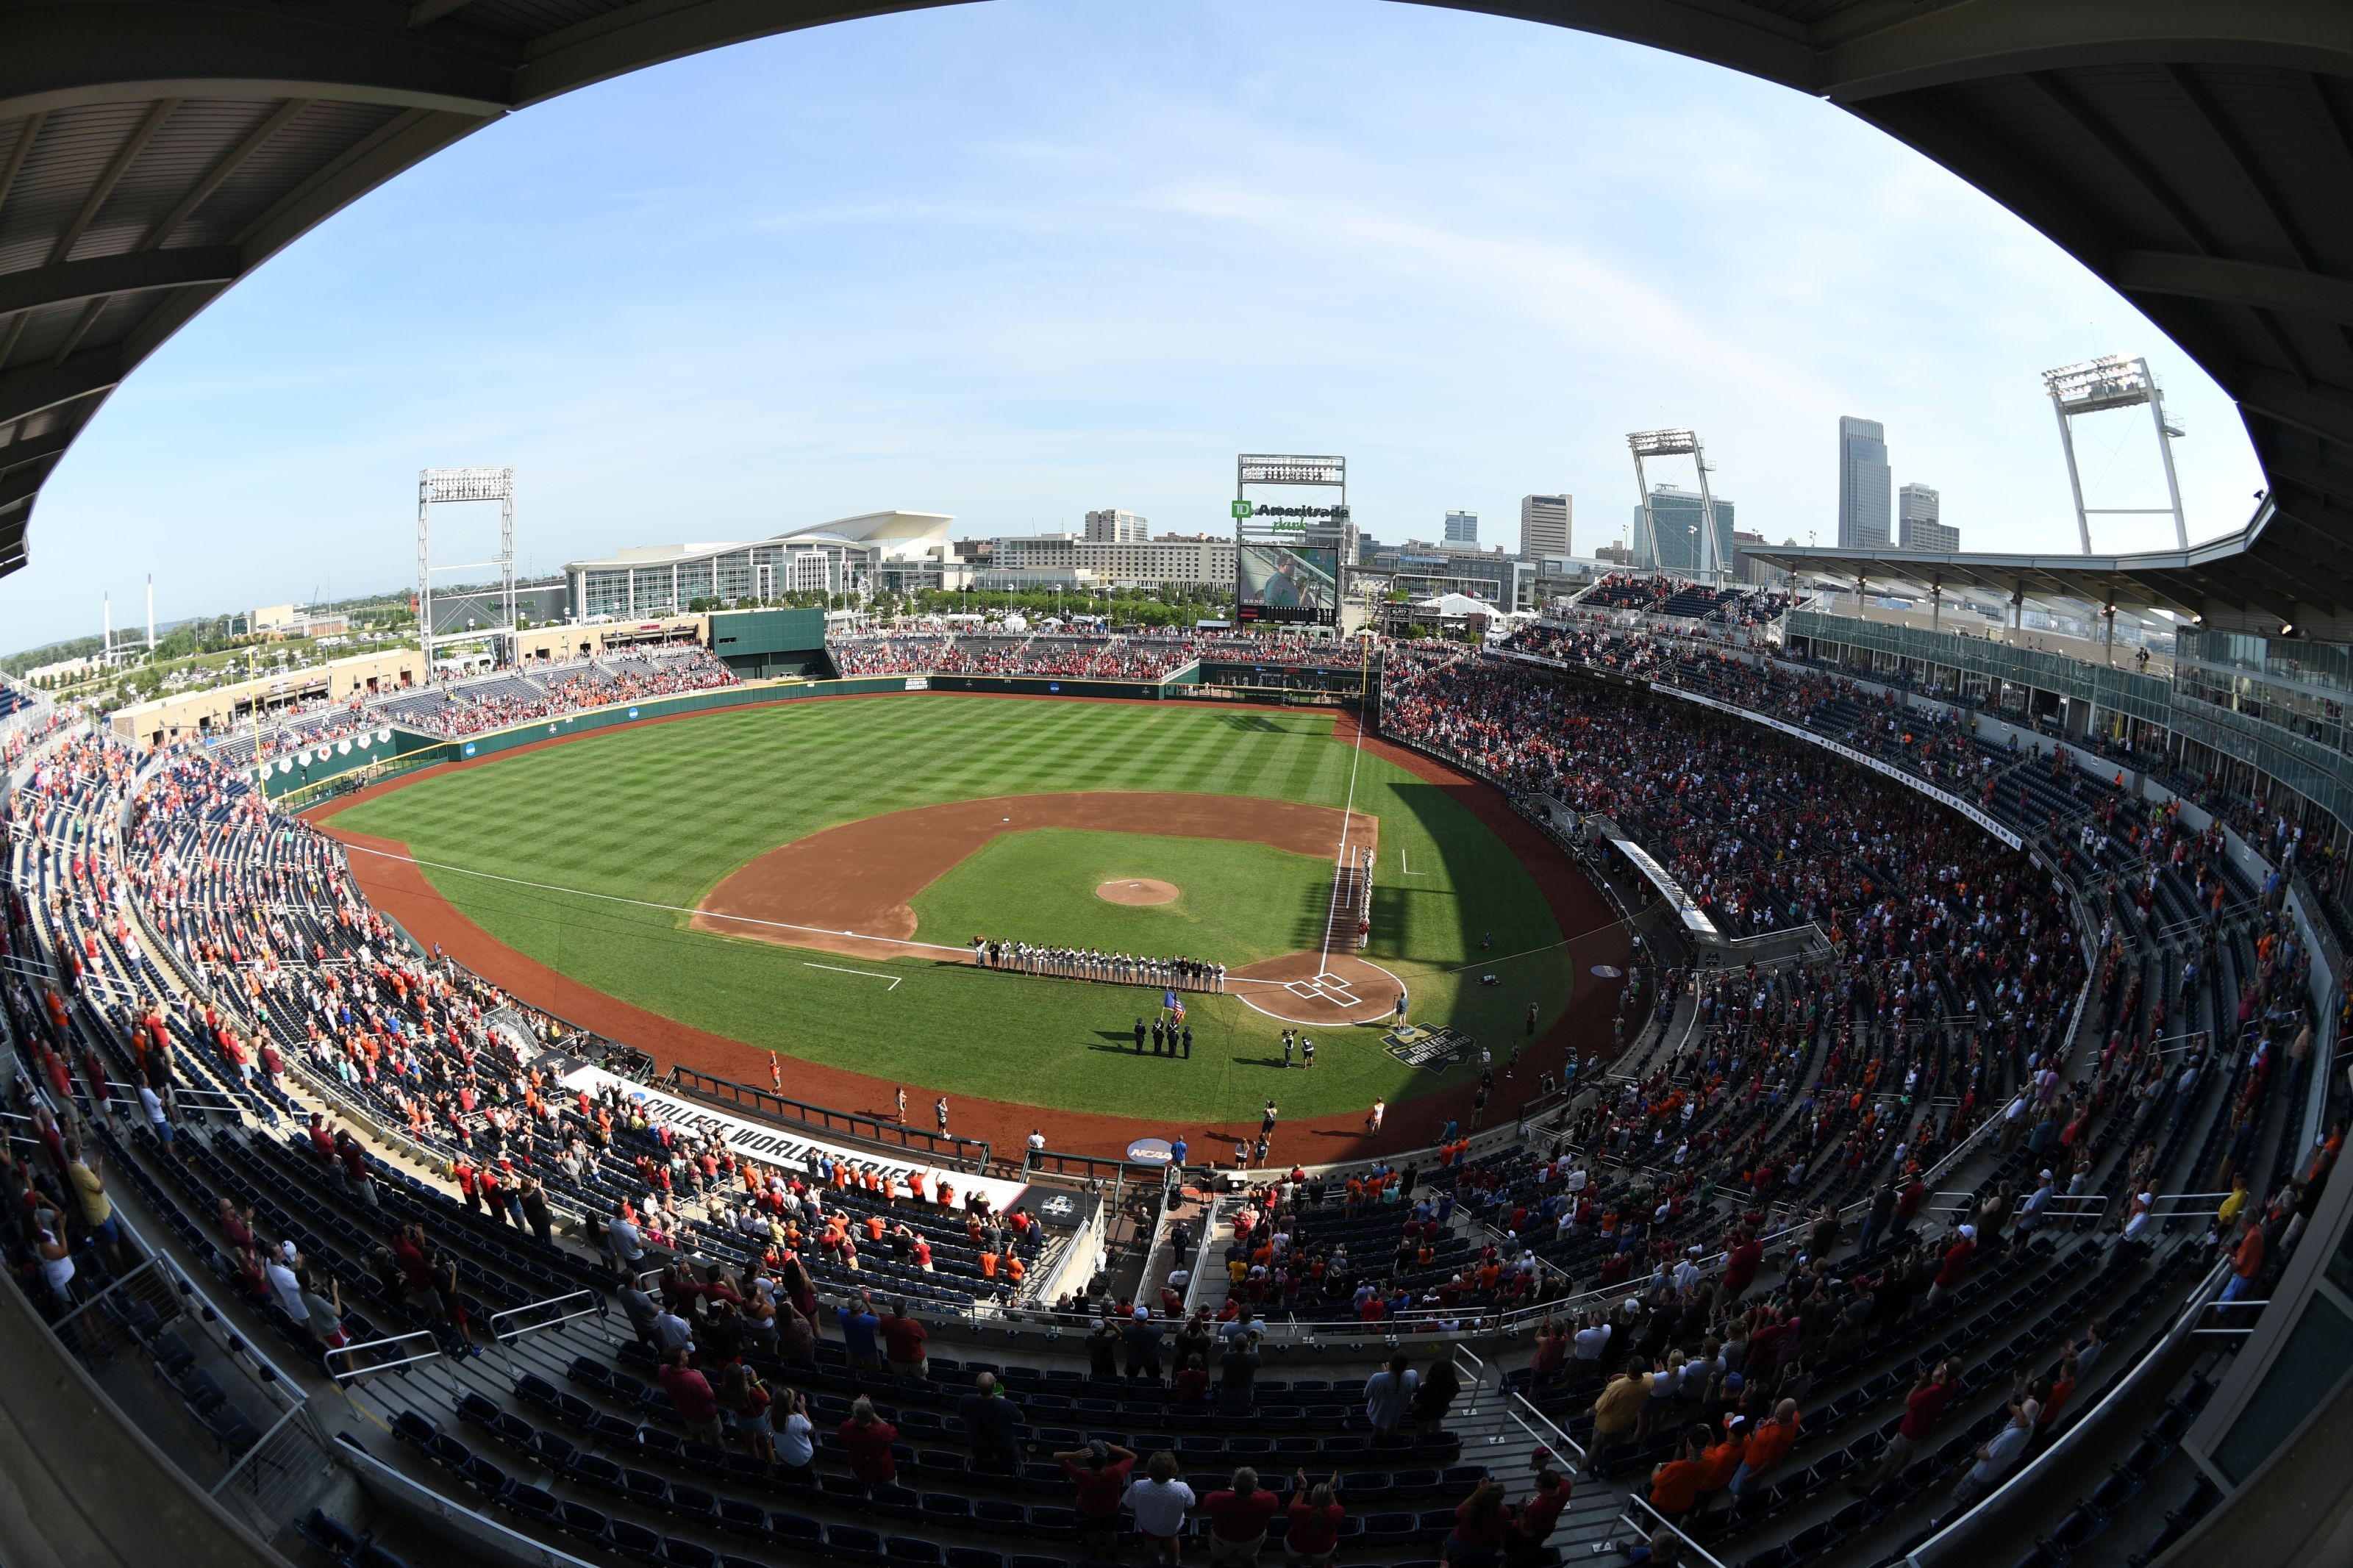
(1137,890)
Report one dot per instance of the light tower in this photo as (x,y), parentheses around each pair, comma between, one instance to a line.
(1708,558)
(437,486)
(2094,386)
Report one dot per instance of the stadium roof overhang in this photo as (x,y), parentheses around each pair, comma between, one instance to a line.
(2280,571)
(2195,154)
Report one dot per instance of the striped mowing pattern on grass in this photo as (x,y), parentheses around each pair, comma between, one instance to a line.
(663,813)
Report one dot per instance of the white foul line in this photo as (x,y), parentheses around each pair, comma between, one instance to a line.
(1347,813)
(870,974)
(1401,866)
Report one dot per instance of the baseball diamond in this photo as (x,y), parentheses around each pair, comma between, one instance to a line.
(810,879)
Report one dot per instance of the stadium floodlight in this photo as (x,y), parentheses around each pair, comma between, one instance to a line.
(2095,386)
(1707,556)
(1273,468)
(437,486)
(1678,443)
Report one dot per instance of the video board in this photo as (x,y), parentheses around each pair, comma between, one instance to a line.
(1285,585)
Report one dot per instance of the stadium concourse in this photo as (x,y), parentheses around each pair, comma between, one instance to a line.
(1840,1243)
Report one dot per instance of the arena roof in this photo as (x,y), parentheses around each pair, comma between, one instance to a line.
(894,533)
(2198,154)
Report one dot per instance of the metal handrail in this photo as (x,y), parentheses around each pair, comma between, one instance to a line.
(1690,1545)
(350,1373)
(596,1307)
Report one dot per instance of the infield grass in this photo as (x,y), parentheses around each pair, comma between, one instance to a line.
(663,813)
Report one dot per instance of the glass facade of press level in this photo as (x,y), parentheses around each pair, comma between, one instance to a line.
(2226,696)
(740,571)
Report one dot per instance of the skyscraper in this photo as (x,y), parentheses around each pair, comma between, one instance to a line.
(1865,488)
(1462,528)
(1677,512)
(1917,516)
(1544,525)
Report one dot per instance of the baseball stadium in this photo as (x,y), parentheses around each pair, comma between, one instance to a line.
(1689,1070)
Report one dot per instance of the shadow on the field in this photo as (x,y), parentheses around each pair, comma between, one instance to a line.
(1254,722)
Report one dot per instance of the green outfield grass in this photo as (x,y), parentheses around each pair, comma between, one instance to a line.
(1237,902)
(662,814)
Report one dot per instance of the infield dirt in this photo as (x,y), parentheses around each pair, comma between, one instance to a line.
(848,890)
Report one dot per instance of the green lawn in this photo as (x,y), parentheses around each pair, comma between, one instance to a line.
(1237,902)
(662,814)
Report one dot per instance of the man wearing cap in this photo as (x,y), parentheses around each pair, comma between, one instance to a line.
(1995,1458)
(1956,1264)
(2031,1211)
(1099,1471)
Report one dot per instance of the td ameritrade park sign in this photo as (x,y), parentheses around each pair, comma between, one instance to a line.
(1877,766)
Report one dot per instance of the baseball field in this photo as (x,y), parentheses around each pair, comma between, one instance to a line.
(807,879)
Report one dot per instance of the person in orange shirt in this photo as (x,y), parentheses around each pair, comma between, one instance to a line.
(988,1264)
(1768,1446)
(1722,1460)
(874,1227)
(1676,1485)
(1015,1269)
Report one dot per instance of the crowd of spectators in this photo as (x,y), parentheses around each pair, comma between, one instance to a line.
(456,709)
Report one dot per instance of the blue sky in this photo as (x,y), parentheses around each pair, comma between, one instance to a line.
(1019,259)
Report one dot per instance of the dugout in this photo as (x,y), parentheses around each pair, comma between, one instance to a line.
(767,644)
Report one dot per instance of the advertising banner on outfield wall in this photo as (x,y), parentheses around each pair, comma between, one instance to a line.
(774,1146)
(1875,764)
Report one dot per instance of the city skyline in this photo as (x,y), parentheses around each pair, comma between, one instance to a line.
(685,306)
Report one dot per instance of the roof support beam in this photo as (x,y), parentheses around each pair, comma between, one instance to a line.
(1929,46)
(72,282)
(20,454)
(23,392)
(28,134)
(202,191)
(54,55)
(2323,410)
(2250,283)
(116,167)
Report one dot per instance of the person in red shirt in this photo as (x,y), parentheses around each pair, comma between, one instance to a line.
(868,1439)
(1533,1520)
(1312,1531)
(1193,1382)
(1099,1471)
(1956,1264)
(1238,1521)
(1741,1262)
(1479,1527)
(690,1393)
(1923,1408)
(902,1343)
